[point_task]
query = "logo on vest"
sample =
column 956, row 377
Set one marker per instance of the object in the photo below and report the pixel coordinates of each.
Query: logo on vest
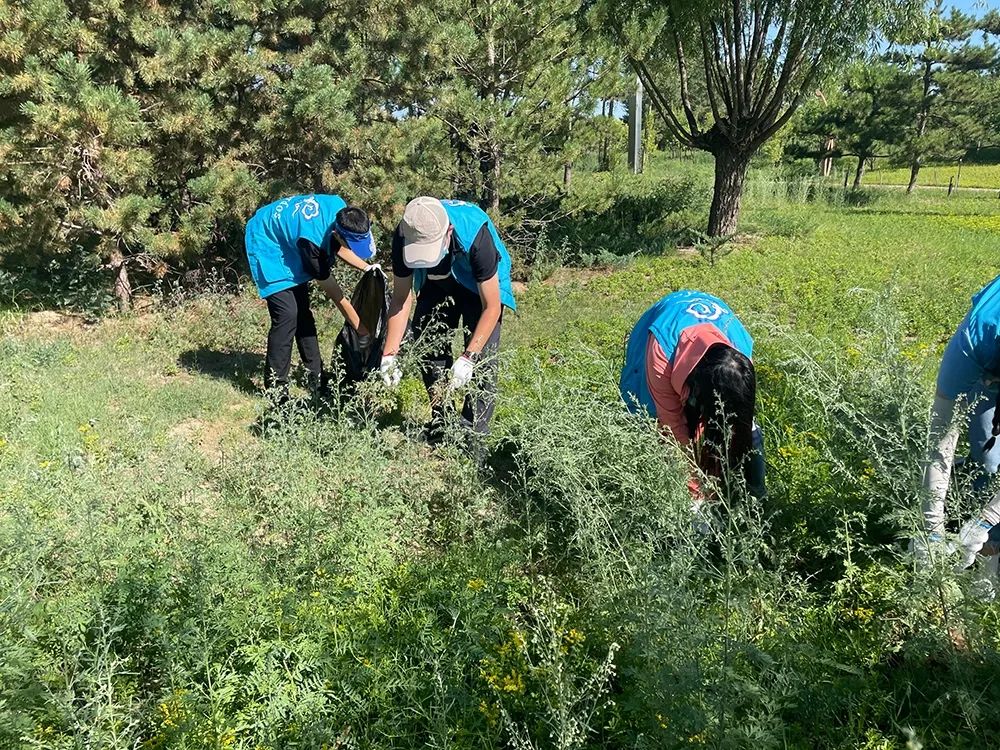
column 309, row 208
column 706, row 310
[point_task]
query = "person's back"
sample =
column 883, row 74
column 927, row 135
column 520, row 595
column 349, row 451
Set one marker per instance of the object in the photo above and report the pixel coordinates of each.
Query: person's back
column 289, row 243
column 274, row 232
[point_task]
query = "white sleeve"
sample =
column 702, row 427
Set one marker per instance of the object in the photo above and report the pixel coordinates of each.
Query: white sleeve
column 940, row 458
column 991, row 513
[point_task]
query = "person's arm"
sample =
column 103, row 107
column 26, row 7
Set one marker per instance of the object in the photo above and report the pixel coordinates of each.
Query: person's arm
column 489, row 293
column 484, row 258
column 399, row 314
column 669, row 408
column 940, row 458
column 960, row 373
column 332, row 290
column 347, row 255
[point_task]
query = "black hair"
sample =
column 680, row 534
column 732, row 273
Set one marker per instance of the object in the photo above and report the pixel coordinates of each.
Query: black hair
column 354, row 219
column 723, row 391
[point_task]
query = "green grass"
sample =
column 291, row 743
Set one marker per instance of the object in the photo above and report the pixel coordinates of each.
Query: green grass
column 973, row 176
column 171, row 579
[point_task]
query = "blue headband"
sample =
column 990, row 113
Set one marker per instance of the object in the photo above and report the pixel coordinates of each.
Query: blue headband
column 361, row 244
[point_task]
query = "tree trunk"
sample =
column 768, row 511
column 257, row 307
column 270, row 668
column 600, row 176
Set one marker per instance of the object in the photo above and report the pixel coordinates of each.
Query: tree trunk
column 567, row 175
column 494, row 195
column 914, row 171
column 603, row 151
column 859, row 173
column 489, row 165
column 826, row 162
column 922, row 117
column 123, row 285
column 730, row 173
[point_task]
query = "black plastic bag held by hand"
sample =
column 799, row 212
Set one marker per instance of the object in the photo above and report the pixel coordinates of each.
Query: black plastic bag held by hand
column 362, row 354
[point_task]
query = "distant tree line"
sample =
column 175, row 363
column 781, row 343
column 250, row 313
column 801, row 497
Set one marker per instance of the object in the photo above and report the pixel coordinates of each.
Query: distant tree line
column 147, row 132
column 932, row 94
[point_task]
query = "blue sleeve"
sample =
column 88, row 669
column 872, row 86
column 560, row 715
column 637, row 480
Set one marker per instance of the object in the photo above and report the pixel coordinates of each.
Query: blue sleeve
column 960, row 369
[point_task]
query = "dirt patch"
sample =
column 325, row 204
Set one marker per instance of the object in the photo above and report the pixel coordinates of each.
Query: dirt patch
column 52, row 323
column 206, row 436
column 565, row 275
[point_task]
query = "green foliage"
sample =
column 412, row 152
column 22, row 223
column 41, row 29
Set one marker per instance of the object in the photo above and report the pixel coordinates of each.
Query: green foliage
column 172, row 579
column 147, row 135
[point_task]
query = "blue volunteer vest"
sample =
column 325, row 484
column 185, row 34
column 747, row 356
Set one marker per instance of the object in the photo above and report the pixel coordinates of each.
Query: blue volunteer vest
column 666, row 320
column 983, row 322
column 971, row 360
column 273, row 233
column 468, row 219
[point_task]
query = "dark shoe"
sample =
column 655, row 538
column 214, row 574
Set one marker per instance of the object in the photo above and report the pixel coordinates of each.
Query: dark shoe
column 433, row 432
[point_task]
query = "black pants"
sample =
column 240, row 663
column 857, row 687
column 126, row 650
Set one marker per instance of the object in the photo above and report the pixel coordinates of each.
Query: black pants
column 291, row 318
column 436, row 306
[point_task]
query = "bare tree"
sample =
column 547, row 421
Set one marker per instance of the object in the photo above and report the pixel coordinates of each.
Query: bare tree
column 727, row 75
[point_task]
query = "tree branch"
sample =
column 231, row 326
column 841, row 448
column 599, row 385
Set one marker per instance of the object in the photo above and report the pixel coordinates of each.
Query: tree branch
column 685, row 93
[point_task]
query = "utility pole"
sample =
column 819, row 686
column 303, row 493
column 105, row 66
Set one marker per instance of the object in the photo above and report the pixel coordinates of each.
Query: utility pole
column 635, row 129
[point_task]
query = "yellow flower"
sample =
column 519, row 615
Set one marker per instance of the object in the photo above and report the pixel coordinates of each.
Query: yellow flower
column 476, row 584
column 512, row 683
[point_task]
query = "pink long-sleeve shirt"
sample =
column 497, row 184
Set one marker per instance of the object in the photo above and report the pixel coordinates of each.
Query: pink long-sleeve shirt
column 668, row 381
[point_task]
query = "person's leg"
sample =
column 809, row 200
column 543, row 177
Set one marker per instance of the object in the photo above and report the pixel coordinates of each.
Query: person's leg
column 755, row 466
column 306, row 337
column 283, row 309
column 480, row 401
column 435, row 316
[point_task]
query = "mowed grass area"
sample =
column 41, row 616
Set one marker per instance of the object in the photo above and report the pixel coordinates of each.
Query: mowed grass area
column 986, row 176
column 169, row 578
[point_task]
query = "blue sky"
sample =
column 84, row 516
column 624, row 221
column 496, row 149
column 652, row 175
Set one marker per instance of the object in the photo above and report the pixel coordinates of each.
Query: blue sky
column 977, row 7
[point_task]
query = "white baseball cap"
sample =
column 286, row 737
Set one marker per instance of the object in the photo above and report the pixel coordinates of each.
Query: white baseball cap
column 424, row 226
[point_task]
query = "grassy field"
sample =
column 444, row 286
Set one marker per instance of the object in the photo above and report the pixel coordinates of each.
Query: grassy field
column 170, row 578
column 986, row 176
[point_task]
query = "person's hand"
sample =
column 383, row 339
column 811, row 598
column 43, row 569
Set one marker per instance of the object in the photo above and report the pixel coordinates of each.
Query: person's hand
column 461, row 373
column 373, row 266
column 973, row 536
column 701, row 519
column 928, row 547
column 390, row 371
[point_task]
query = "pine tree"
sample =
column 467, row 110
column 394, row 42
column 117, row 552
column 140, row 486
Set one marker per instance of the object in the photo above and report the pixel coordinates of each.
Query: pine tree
column 947, row 67
column 147, row 132
column 518, row 76
column 865, row 114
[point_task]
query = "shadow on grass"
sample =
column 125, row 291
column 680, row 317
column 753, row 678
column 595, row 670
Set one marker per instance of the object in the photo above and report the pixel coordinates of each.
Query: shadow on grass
column 238, row 367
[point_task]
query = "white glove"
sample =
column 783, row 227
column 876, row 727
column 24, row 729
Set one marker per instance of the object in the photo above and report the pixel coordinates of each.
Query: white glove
column 701, row 520
column 390, row 371
column 461, row 372
column 925, row 548
column 974, row 534
column 373, row 266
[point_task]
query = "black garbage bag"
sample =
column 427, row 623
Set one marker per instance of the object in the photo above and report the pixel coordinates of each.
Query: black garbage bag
column 362, row 354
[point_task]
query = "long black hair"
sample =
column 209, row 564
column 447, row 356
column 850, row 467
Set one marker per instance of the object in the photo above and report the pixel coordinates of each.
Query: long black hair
column 723, row 391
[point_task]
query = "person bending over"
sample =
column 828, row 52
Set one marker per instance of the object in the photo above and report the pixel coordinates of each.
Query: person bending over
column 289, row 243
column 449, row 255
column 687, row 363
column 969, row 377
